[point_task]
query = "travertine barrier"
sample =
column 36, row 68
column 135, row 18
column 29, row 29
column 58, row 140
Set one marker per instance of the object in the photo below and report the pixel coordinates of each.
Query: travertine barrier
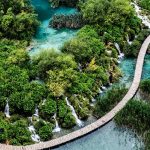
column 100, row 122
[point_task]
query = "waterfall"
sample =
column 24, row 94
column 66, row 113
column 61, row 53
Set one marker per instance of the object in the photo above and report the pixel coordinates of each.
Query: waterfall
column 145, row 19
column 128, row 40
column 57, row 128
column 93, row 100
column 78, row 121
column 43, row 103
column 100, row 91
column 6, row 111
column 103, row 87
column 121, row 55
column 80, row 67
column 35, row 137
column 36, row 112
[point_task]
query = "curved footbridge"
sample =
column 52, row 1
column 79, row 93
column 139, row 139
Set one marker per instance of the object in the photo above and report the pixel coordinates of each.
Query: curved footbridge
column 100, row 122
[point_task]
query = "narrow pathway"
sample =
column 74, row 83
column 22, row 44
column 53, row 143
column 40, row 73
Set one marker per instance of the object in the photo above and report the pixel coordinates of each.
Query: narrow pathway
column 100, row 122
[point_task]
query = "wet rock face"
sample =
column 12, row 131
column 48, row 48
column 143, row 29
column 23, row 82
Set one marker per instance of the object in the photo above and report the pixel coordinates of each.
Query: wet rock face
column 74, row 21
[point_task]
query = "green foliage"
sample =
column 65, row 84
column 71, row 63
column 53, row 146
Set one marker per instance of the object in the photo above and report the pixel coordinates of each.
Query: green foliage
column 51, row 60
column 144, row 4
column 114, row 17
column 136, row 115
column 3, row 130
column 81, row 105
column 45, row 132
column 65, row 116
column 17, row 20
column 19, row 134
column 107, row 102
column 69, row 121
column 145, row 85
column 133, row 49
column 59, row 81
column 48, row 109
column 15, row 133
column 84, row 47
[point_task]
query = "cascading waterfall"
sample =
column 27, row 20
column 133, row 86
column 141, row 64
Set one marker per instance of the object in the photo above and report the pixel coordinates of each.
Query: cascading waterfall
column 145, row 19
column 57, row 128
column 6, row 111
column 103, row 87
column 128, row 40
column 35, row 137
column 80, row 67
column 78, row 121
column 121, row 55
column 93, row 100
column 36, row 112
column 43, row 103
column 100, row 91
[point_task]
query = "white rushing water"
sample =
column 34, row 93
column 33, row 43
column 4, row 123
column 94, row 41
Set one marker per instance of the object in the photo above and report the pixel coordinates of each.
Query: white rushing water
column 80, row 67
column 121, row 55
column 57, row 128
column 93, row 100
column 43, row 103
column 144, row 18
column 36, row 112
column 128, row 40
column 78, row 121
column 6, row 111
column 35, row 137
column 103, row 88
column 100, row 91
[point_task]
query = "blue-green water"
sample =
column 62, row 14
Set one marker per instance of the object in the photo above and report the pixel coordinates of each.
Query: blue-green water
column 128, row 67
column 108, row 137
column 46, row 37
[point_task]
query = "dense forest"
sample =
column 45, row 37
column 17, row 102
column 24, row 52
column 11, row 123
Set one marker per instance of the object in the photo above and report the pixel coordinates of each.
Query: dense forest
column 87, row 63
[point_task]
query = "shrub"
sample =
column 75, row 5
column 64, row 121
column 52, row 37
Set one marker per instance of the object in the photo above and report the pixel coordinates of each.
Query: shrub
column 45, row 132
column 109, row 100
column 48, row 109
column 145, row 85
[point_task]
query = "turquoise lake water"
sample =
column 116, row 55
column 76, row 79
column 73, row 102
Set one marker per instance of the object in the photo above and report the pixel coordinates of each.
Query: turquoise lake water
column 108, row 137
column 46, row 37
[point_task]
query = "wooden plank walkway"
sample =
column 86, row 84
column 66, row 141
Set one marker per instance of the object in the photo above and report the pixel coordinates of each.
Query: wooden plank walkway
column 100, row 122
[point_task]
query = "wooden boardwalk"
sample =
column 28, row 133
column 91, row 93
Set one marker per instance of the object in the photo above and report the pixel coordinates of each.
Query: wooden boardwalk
column 100, row 122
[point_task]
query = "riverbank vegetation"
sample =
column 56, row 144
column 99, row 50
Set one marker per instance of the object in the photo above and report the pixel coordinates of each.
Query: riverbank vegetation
column 132, row 50
column 144, row 4
column 145, row 85
column 108, row 101
column 136, row 115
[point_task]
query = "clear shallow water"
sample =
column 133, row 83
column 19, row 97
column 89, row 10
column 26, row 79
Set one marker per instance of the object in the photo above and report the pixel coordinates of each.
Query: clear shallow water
column 47, row 37
column 108, row 137
column 128, row 67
